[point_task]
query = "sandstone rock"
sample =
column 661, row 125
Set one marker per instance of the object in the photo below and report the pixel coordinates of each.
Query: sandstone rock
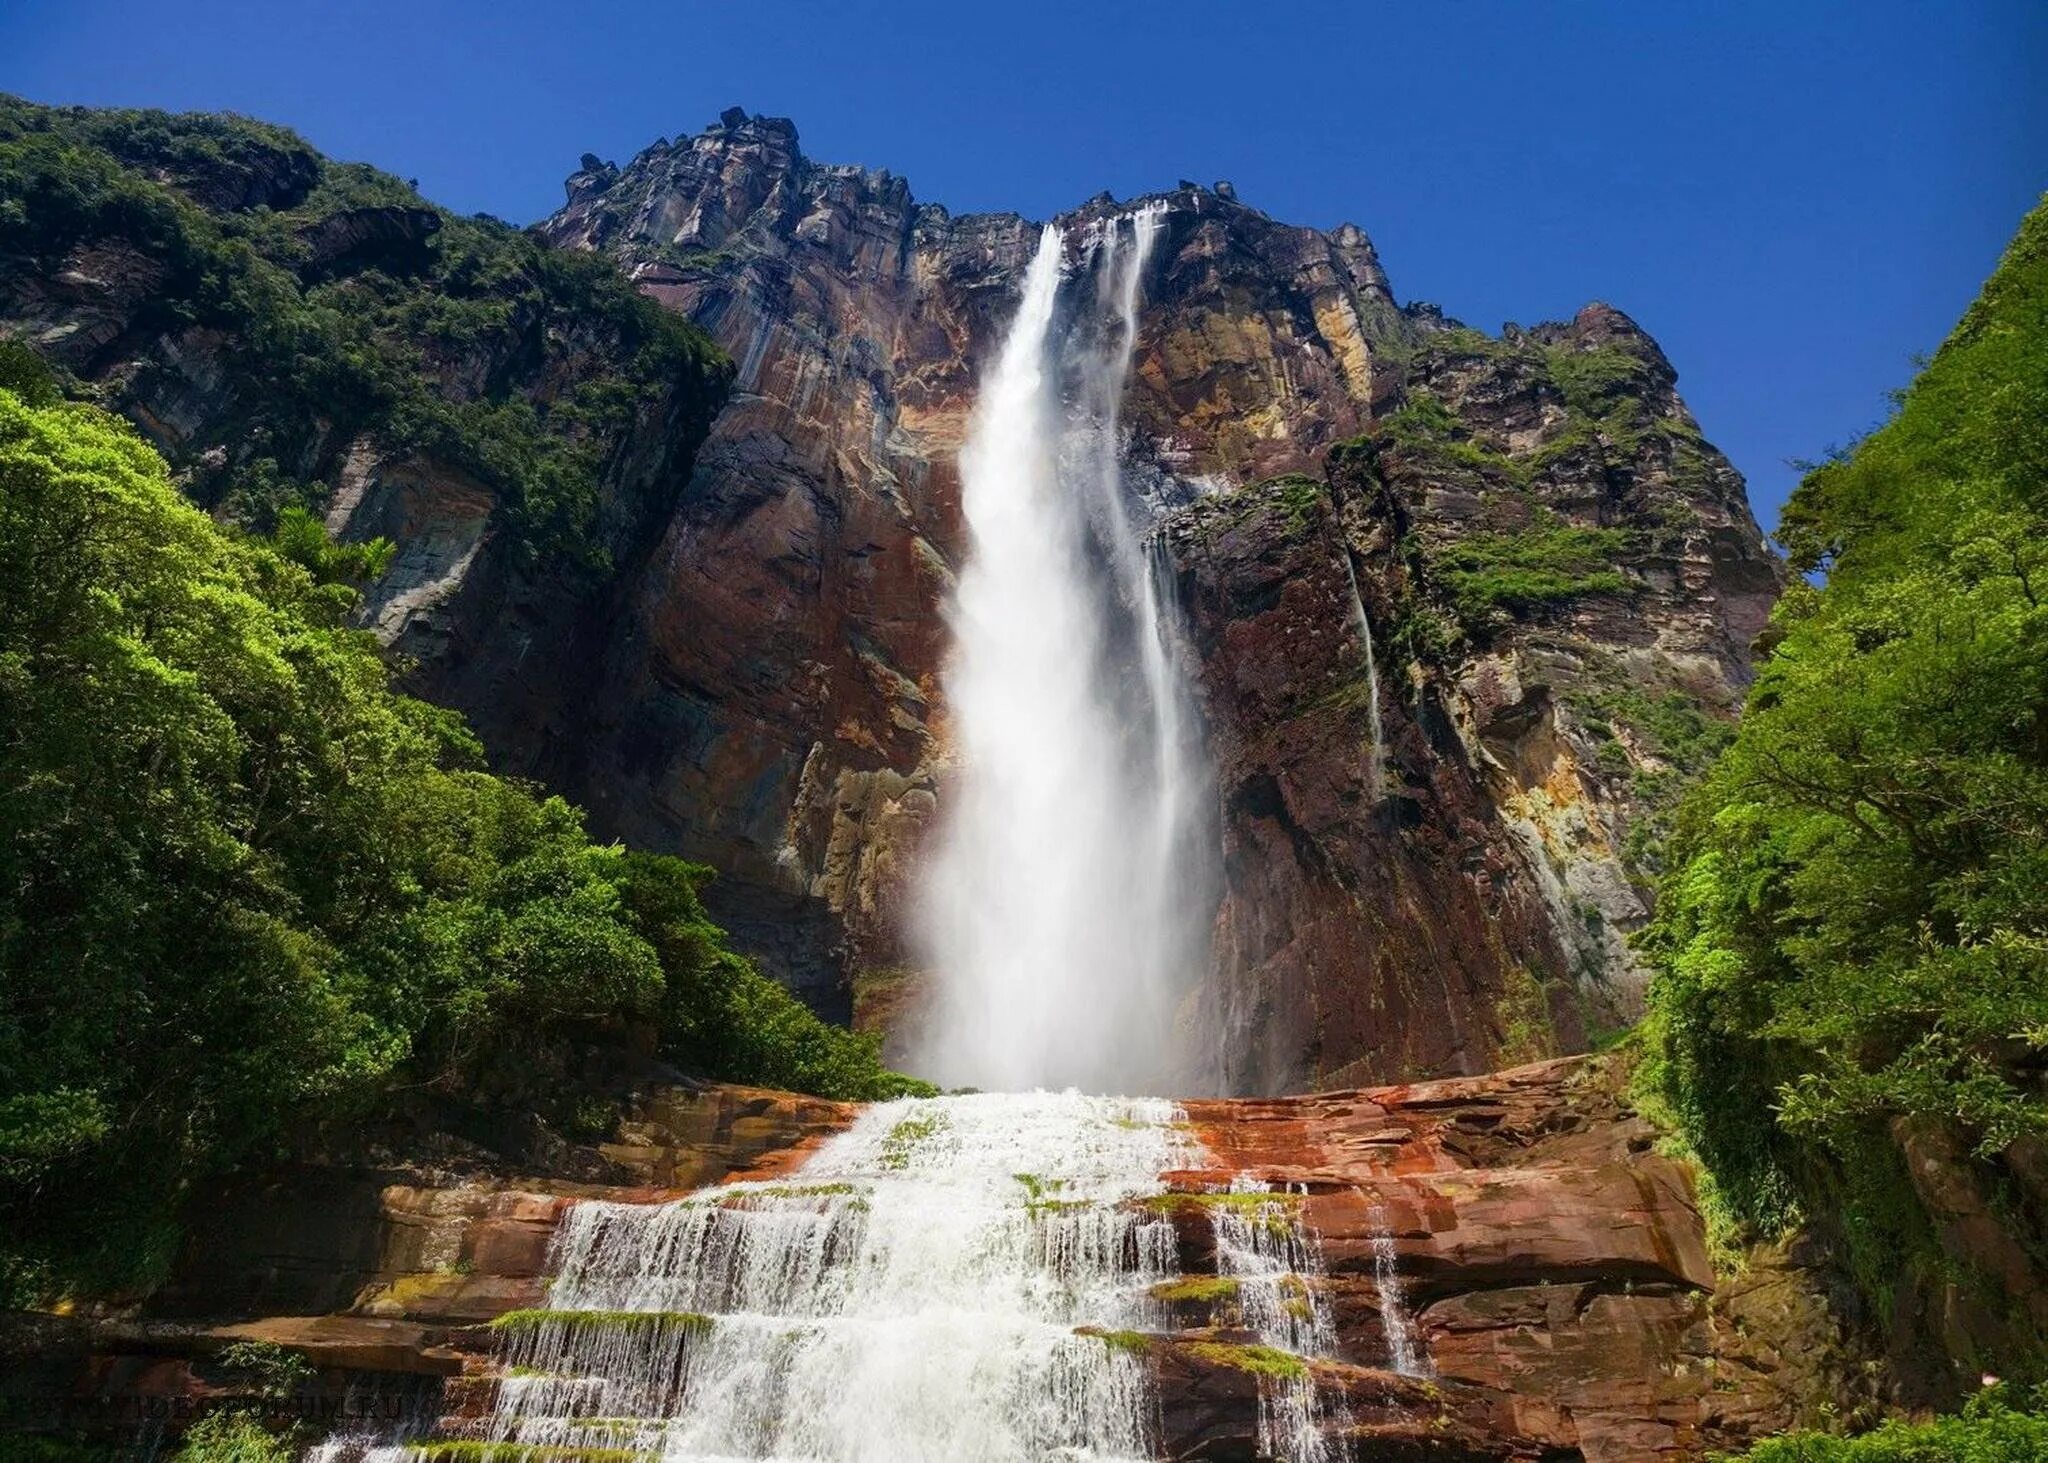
column 775, row 666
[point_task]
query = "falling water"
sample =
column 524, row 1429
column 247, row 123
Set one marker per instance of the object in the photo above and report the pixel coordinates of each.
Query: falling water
column 1062, row 907
column 1272, row 1254
column 917, row 1292
column 1376, row 769
column 1404, row 1355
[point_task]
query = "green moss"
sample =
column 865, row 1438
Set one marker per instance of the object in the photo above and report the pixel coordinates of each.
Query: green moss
column 1131, row 1343
column 1261, row 1361
column 1490, row 577
column 1201, row 1289
column 1300, row 499
column 1251, row 1203
column 527, row 1322
column 798, row 1191
column 1523, row 1011
column 910, row 1134
column 475, row 1452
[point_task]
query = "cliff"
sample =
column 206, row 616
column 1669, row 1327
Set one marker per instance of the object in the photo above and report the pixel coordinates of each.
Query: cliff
column 1566, row 573
column 293, row 331
column 1549, row 1269
column 714, row 618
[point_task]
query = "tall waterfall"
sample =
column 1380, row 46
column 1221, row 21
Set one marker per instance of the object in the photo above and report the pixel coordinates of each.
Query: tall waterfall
column 1063, row 907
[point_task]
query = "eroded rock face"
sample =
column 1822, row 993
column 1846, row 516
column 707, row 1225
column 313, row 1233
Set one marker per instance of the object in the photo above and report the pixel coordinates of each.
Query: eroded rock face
column 496, row 625
column 1553, row 1267
column 769, row 698
column 755, row 680
column 1550, row 1268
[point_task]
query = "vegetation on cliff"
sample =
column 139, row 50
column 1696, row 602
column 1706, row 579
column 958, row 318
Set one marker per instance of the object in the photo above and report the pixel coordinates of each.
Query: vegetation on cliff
column 338, row 302
column 1989, row 1429
column 245, row 886
column 1852, row 940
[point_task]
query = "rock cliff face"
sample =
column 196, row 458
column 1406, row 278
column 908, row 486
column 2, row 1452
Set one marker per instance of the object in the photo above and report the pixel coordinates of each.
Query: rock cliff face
column 768, row 695
column 292, row 331
column 1547, row 1268
column 732, row 649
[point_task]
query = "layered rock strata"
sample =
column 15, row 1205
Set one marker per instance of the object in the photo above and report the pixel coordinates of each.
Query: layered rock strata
column 1546, row 1268
column 770, row 699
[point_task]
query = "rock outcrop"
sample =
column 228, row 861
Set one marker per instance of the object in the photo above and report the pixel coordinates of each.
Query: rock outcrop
column 292, row 331
column 769, row 700
column 1547, row 1266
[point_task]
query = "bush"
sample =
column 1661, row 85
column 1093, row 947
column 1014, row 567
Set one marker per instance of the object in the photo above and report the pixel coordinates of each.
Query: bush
column 233, row 1436
column 1489, row 576
column 1988, row 1430
column 318, row 359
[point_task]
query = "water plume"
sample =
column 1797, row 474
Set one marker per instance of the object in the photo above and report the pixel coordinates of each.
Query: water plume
column 1064, row 908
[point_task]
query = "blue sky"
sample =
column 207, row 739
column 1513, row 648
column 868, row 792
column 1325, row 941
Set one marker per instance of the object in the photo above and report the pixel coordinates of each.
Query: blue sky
column 1794, row 198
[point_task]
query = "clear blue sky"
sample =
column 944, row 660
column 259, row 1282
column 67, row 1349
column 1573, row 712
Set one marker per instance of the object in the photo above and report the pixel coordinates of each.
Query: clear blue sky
column 1793, row 197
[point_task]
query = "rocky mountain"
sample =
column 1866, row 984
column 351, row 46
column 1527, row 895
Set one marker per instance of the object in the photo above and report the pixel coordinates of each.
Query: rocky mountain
column 1565, row 575
column 1463, row 611
column 288, row 330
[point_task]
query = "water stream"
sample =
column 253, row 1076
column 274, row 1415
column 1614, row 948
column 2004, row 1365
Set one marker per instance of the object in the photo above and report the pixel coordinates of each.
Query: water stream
column 1063, row 908
column 1377, row 751
column 966, row 1277
column 921, row 1291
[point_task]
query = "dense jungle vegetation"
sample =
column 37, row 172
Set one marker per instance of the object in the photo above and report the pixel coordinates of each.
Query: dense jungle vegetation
column 1850, row 1012
column 245, row 886
column 341, row 302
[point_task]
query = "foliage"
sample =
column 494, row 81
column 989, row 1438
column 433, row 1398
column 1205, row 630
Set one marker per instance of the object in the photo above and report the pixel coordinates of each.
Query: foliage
column 1489, row 576
column 1670, row 727
column 245, row 886
column 233, row 1436
column 392, row 338
column 1855, row 922
column 275, row 1371
column 1989, row 1429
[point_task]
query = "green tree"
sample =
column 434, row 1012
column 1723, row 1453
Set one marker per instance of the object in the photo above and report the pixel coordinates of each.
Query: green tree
column 1853, row 939
column 243, row 884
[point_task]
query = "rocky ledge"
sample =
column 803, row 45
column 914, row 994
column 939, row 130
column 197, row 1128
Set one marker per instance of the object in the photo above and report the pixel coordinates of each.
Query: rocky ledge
column 1546, row 1266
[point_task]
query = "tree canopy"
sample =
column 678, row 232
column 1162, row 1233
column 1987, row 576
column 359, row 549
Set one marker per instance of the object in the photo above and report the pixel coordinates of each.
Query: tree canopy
column 1852, row 943
column 244, row 884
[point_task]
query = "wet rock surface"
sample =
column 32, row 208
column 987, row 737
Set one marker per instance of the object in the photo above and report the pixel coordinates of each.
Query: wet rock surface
column 1549, row 1269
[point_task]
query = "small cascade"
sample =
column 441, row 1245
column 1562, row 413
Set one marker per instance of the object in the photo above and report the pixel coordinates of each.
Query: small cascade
column 1404, row 1351
column 918, row 1292
column 1377, row 778
column 1263, row 1244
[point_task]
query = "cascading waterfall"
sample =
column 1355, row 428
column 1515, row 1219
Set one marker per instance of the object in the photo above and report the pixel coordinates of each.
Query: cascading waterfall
column 961, row 1277
column 1363, row 624
column 916, row 1293
column 1263, row 1245
column 1404, row 1353
column 1063, row 908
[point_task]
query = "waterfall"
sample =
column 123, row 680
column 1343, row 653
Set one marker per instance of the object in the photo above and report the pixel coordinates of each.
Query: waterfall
column 1376, row 781
column 1264, row 1245
column 1063, row 908
column 1404, row 1355
column 919, row 1291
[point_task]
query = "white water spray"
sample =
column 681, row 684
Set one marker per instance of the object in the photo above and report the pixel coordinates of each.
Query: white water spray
column 913, row 1296
column 1404, row 1354
column 1376, row 772
column 1063, row 907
